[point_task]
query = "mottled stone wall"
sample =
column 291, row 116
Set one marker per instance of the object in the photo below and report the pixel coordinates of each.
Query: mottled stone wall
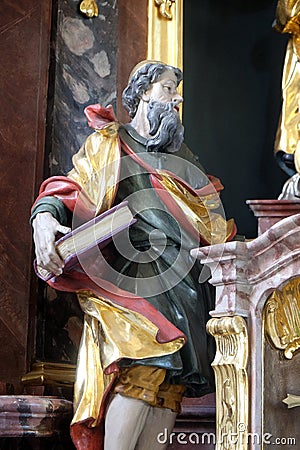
column 83, row 71
column 132, row 44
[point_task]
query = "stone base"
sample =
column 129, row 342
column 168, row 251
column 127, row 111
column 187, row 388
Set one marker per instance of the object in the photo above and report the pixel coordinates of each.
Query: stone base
column 28, row 415
column 268, row 212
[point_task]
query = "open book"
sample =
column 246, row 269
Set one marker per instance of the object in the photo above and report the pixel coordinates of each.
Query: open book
column 96, row 232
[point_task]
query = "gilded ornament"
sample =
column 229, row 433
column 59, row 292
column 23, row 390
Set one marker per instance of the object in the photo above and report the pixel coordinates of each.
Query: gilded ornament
column 165, row 8
column 165, row 32
column 89, row 8
column 50, row 374
column 282, row 318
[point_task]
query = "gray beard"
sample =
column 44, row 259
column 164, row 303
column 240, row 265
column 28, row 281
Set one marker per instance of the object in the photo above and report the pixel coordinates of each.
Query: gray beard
column 166, row 129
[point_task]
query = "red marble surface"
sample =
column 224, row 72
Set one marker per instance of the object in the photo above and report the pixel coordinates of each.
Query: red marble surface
column 132, row 28
column 25, row 28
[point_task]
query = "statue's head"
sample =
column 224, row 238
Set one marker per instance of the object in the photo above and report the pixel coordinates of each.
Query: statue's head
column 152, row 94
column 143, row 75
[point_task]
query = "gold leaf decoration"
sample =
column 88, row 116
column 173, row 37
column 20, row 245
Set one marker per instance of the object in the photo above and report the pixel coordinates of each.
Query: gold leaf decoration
column 89, row 8
column 165, row 8
column 282, row 318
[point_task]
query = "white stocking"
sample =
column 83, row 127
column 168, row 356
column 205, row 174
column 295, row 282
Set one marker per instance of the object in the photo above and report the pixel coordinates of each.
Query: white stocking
column 124, row 421
column 157, row 429
column 131, row 424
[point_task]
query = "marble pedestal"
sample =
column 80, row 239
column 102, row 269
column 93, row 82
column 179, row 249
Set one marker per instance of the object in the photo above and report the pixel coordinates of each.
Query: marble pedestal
column 269, row 212
column 34, row 422
column 245, row 275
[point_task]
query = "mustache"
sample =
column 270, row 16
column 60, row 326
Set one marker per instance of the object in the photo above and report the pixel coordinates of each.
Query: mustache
column 166, row 129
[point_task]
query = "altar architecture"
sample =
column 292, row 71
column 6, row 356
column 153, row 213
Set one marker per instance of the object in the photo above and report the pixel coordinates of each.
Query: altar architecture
column 256, row 325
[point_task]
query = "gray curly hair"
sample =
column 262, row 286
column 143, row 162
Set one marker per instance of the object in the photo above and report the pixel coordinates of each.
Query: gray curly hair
column 141, row 80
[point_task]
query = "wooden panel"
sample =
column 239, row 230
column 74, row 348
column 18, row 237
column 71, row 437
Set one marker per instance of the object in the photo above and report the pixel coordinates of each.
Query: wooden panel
column 280, row 378
column 24, row 29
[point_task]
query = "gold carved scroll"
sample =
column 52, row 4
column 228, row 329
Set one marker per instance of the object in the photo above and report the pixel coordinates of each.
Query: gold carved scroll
column 232, row 395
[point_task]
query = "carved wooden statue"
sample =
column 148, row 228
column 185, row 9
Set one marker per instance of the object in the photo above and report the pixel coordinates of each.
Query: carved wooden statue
column 144, row 342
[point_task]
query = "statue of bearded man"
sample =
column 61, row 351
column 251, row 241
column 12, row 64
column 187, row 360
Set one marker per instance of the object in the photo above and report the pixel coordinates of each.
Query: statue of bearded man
column 144, row 342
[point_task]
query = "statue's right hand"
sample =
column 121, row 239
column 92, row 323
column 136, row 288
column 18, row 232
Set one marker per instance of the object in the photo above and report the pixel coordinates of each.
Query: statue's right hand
column 45, row 229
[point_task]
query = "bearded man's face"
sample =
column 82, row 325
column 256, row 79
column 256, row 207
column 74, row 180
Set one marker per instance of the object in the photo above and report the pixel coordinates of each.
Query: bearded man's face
column 166, row 129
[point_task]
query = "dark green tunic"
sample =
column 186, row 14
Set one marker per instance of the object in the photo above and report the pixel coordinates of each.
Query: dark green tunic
column 162, row 265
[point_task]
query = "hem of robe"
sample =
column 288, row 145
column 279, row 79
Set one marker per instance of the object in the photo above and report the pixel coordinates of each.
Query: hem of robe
column 78, row 281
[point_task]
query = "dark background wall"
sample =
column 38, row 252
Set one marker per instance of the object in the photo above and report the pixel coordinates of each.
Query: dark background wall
column 233, row 62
